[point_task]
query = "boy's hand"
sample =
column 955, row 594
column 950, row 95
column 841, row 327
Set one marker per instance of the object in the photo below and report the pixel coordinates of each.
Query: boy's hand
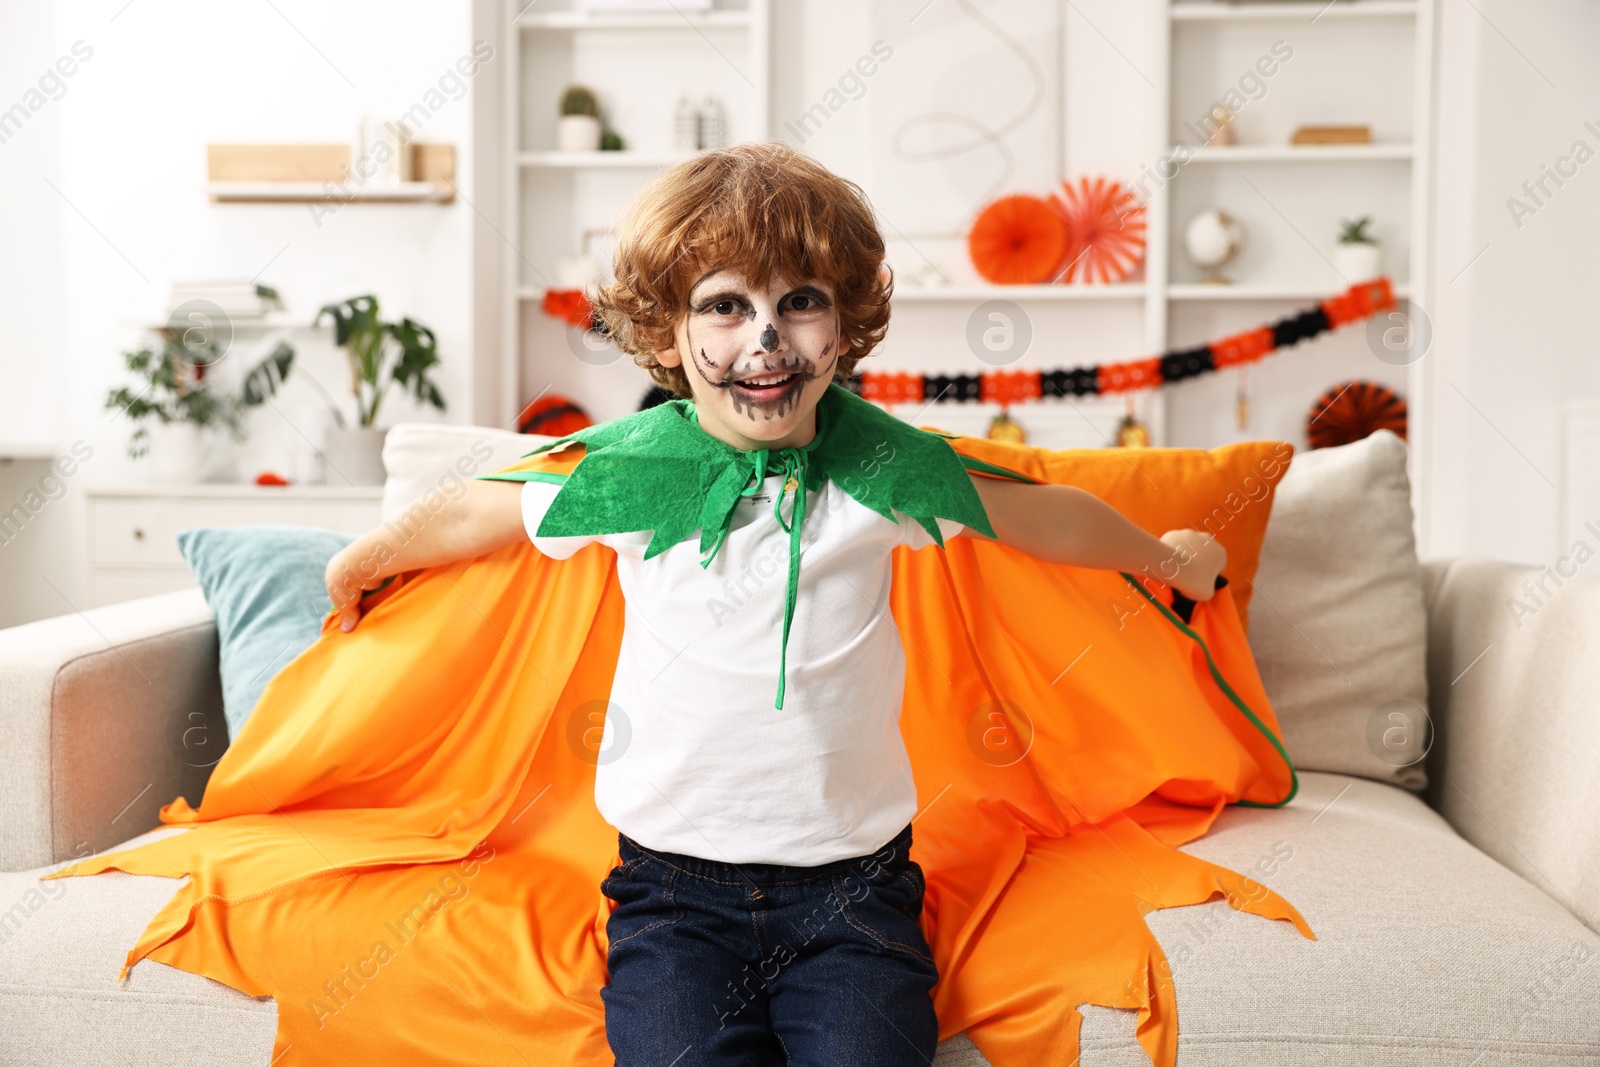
column 485, row 516
column 346, row 582
column 1198, row 557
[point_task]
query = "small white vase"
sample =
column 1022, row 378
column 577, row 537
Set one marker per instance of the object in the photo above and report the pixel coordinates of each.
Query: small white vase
column 354, row 455
column 1361, row 261
column 578, row 133
column 176, row 454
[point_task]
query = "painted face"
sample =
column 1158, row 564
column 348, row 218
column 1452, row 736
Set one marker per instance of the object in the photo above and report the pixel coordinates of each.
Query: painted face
column 758, row 361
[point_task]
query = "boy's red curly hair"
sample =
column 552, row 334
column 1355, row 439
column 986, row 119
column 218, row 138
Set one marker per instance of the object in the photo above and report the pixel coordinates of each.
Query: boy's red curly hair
column 762, row 209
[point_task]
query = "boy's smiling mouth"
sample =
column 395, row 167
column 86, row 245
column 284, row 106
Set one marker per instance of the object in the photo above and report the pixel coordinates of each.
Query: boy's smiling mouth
column 766, row 388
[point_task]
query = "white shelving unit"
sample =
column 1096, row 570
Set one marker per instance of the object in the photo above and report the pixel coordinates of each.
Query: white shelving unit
column 1192, row 53
column 1051, row 293
column 1337, row 10
column 1369, row 61
column 635, row 62
column 1320, row 153
column 1247, row 293
column 603, row 160
column 1365, row 61
column 634, row 20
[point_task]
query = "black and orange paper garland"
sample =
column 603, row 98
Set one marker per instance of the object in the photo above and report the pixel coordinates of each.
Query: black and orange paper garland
column 1359, row 302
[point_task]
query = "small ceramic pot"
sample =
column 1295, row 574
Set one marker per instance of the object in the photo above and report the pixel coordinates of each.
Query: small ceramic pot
column 176, row 454
column 1359, row 262
column 578, row 133
column 353, row 455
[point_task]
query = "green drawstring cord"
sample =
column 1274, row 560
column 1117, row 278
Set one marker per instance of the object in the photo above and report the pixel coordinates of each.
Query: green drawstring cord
column 796, row 470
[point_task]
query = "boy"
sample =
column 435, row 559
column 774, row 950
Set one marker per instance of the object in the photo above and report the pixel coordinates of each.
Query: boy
column 766, row 905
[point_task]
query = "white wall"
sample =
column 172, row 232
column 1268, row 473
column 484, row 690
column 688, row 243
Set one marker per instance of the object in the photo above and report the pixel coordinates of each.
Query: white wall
column 126, row 148
column 1516, row 312
column 34, row 352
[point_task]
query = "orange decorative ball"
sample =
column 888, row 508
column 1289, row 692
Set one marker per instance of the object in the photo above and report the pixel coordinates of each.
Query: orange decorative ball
column 554, row 416
column 1017, row 240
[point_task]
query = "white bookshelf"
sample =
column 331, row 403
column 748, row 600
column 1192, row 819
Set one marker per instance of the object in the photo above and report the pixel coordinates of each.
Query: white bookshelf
column 638, row 63
column 633, row 20
column 1370, row 61
column 1257, row 293
column 602, row 160
column 1309, row 11
column 1367, row 61
column 1322, row 153
column 1050, row 293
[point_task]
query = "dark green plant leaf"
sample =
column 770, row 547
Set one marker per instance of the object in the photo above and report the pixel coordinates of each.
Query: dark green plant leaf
column 266, row 377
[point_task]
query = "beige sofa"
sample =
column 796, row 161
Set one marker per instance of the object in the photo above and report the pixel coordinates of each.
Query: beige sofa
column 1452, row 877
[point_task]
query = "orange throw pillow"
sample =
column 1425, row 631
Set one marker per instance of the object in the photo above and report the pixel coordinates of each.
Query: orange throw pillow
column 1226, row 491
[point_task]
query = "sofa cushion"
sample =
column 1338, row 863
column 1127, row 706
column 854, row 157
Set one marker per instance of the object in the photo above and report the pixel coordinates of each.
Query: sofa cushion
column 61, row 946
column 1339, row 631
column 428, row 463
column 265, row 586
column 1227, row 491
column 1428, row 953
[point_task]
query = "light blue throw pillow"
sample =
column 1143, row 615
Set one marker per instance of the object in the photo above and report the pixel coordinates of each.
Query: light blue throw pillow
column 264, row 585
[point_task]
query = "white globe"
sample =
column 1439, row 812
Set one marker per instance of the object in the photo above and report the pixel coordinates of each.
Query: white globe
column 1212, row 238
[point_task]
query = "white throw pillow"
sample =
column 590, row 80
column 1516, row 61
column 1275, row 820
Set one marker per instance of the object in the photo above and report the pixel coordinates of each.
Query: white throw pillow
column 435, row 461
column 1337, row 622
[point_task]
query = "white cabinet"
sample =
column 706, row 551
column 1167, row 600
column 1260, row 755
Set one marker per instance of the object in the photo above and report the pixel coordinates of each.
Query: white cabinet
column 133, row 548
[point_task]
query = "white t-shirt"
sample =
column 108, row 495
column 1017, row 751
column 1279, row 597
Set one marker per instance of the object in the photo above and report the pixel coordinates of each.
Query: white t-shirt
column 693, row 757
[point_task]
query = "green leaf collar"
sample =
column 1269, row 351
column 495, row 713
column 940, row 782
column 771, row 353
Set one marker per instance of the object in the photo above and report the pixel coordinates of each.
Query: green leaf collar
column 658, row 470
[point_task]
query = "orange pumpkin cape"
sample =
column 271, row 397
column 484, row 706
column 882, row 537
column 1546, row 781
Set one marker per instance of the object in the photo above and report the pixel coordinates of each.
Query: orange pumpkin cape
column 402, row 847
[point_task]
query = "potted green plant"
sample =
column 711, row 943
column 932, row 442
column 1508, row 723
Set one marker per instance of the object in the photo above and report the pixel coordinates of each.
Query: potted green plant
column 178, row 400
column 381, row 354
column 578, row 129
column 1359, row 257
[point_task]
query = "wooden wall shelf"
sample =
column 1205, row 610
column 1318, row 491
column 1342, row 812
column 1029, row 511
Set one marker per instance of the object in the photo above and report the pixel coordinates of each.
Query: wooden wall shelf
column 321, row 173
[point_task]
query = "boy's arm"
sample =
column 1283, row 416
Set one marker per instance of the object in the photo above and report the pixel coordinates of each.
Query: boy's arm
column 1063, row 524
column 486, row 517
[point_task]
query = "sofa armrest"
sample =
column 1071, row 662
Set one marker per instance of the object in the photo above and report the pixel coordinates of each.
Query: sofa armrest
column 105, row 716
column 1512, row 672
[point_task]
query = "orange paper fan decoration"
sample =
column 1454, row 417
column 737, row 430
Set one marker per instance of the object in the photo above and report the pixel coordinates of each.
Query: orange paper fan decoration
column 1017, row 240
column 1353, row 410
column 1105, row 230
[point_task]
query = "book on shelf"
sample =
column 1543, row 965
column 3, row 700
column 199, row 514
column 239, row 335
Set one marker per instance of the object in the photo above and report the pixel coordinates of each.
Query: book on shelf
column 236, row 299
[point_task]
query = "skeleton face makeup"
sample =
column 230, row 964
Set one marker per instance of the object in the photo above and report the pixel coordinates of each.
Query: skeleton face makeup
column 757, row 360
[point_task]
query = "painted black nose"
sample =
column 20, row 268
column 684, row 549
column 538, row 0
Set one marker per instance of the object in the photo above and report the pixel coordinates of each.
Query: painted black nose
column 769, row 338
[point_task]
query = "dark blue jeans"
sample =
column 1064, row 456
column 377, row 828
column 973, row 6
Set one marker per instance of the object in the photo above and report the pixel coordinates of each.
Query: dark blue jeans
column 760, row 964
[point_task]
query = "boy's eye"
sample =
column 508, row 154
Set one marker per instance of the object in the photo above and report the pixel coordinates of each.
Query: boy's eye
column 806, row 300
column 725, row 307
